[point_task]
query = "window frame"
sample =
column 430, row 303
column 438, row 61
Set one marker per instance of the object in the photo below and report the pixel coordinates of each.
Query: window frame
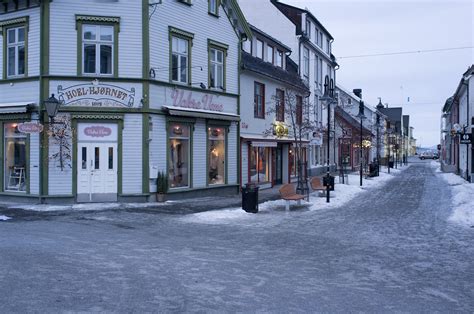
column 214, row 45
column 256, row 114
column 279, row 53
column 308, row 28
column 217, row 4
column 190, row 126
column 5, row 26
column 306, row 57
column 272, row 60
column 280, row 105
column 98, row 43
column 27, row 154
column 183, row 35
column 261, row 56
column 85, row 20
column 225, row 126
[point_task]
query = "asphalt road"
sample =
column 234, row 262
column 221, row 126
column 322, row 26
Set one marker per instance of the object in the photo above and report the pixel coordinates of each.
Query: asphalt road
column 389, row 250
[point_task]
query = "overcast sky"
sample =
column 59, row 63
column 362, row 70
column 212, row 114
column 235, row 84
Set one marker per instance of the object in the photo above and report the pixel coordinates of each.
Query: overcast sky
column 361, row 27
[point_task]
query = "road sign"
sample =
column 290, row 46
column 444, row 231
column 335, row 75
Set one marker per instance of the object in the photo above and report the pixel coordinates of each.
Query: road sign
column 466, row 138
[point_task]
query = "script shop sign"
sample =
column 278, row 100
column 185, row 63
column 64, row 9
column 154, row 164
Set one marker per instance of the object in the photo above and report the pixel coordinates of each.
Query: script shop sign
column 30, row 127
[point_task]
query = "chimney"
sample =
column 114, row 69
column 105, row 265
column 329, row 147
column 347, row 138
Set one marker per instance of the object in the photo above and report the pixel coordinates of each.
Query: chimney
column 386, row 105
column 358, row 92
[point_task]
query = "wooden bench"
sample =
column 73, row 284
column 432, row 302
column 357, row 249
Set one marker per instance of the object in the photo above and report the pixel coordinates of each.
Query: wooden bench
column 317, row 184
column 288, row 193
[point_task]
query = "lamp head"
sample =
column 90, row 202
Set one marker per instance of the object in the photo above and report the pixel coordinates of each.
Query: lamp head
column 52, row 106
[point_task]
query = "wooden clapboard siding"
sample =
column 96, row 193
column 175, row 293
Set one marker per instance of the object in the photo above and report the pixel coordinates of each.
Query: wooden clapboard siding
column 132, row 154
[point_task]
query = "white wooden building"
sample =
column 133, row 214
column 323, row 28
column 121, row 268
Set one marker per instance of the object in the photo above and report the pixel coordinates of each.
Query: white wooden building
column 145, row 86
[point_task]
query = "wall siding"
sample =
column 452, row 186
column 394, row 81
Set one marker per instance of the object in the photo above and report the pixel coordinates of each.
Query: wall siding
column 158, row 144
column 245, row 162
column 179, row 15
column 63, row 30
column 199, row 154
column 232, row 153
column 34, row 163
column 132, row 154
column 20, row 92
column 59, row 181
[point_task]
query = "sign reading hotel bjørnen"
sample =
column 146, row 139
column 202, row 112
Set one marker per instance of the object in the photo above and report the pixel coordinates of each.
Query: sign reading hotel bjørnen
column 96, row 94
column 97, row 132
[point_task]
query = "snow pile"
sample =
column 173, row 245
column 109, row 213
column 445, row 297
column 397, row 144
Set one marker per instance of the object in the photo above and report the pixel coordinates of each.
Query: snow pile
column 273, row 212
column 3, row 218
column 85, row 207
column 462, row 196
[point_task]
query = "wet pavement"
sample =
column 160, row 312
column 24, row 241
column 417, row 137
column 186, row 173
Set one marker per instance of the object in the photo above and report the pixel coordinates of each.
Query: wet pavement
column 391, row 249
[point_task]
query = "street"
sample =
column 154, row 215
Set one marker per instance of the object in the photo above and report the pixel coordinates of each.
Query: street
column 391, row 249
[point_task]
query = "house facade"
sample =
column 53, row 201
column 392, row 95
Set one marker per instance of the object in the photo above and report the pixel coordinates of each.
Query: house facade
column 141, row 90
column 273, row 88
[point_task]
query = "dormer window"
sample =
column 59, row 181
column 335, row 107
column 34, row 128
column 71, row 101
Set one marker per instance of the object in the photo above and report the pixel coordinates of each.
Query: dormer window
column 279, row 58
column 270, row 54
column 259, row 52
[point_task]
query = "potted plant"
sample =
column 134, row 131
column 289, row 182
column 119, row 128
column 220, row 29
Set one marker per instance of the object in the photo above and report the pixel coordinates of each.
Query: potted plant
column 161, row 186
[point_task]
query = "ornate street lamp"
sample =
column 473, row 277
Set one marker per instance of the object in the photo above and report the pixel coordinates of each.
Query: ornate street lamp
column 389, row 138
column 328, row 98
column 361, row 116
column 377, row 124
column 52, row 106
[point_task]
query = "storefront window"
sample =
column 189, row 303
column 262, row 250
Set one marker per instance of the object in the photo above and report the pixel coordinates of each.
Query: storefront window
column 179, row 155
column 15, row 158
column 216, row 155
column 259, row 164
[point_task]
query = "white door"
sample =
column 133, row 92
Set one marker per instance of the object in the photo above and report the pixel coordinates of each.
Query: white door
column 97, row 172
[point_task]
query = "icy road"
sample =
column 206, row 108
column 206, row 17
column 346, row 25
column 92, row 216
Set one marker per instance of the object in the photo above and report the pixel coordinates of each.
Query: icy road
column 391, row 249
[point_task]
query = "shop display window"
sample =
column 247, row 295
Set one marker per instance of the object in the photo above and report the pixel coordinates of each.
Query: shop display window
column 15, row 158
column 216, row 155
column 259, row 164
column 179, row 155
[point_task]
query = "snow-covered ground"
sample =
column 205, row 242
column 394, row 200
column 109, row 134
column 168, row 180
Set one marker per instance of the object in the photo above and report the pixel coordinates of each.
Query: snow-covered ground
column 463, row 196
column 3, row 218
column 343, row 193
column 83, row 207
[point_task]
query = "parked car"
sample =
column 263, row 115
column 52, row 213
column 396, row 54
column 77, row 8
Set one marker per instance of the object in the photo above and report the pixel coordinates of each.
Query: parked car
column 429, row 155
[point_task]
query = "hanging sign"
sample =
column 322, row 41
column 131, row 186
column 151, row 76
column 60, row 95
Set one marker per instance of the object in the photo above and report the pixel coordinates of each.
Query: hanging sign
column 30, row 127
column 466, row 138
column 96, row 94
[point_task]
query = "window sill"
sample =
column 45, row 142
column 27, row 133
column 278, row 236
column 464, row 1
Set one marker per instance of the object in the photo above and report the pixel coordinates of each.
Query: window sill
column 213, row 14
column 261, row 118
column 189, row 3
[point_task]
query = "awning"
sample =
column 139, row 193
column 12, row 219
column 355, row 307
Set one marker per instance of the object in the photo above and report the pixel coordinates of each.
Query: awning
column 264, row 144
column 16, row 107
column 268, row 139
column 204, row 114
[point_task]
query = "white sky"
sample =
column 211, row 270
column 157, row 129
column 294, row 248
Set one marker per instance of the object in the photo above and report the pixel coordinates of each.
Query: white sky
column 362, row 27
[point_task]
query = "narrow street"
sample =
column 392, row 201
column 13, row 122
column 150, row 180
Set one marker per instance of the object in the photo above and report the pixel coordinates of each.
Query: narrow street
column 391, row 249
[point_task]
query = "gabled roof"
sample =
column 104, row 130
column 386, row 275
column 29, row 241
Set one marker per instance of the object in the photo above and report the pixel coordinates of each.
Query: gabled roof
column 292, row 12
column 448, row 104
column 261, row 67
column 393, row 114
column 270, row 38
column 236, row 17
column 350, row 120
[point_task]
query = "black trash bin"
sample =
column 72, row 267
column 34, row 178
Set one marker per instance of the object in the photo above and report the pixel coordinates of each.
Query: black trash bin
column 250, row 198
column 329, row 181
column 372, row 170
column 390, row 164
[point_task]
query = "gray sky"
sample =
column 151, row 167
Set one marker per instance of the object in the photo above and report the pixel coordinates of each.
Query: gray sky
column 361, row 27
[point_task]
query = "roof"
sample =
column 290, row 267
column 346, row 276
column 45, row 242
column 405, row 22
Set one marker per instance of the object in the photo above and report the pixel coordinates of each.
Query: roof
column 259, row 66
column 406, row 121
column 283, row 7
column 465, row 77
column 16, row 107
column 393, row 114
column 236, row 17
column 448, row 104
column 350, row 120
column 273, row 39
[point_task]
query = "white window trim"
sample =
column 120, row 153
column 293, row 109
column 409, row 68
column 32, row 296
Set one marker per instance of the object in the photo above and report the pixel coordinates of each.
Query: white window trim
column 215, row 65
column 98, row 43
column 179, row 54
column 17, row 44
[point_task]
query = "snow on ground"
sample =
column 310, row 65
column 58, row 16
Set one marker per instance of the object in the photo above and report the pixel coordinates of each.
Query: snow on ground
column 462, row 196
column 84, row 207
column 3, row 218
column 343, row 193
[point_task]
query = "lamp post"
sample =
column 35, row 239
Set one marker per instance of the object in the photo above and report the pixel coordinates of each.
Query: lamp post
column 361, row 116
column 389, row 138
column 377, row 125
column 52, row 106
column 328, row 98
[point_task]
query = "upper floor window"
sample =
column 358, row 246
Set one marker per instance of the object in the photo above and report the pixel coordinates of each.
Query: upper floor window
column 320, row 73
column 328, row 46
column 16, row 51
column 217, row 64
column 320, row 42
column 270, row 54
column 299, row 110
column 280, row 105
column 308, row 28
column 279, row 58
column 306, row 63
column 259, row 100
column 316, row 70
column 329, row 71
column 259, row 52
column 213, row 7
column 98, row 49
column 179, row 60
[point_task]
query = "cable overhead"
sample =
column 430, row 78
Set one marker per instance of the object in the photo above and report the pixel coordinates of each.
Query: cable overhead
column 405, row 52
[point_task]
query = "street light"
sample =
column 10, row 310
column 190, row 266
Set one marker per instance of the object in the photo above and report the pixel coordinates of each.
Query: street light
column 389, row 138
column 328, row 98
column 361, row 116
column 52, row 106
column 377, row 124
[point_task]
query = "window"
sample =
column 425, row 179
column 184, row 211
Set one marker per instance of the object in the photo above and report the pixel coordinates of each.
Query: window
column 316, row 36
column 299, row 110
column 247, row 46
column 329, row 72
column 213, row 7
column 216, row 155
column 15, row 158
column 270, row 54
column 328, row 46
column 259, row 167
column 316, row 107
column 179, row 60
column 259, row 100
column 97, row 49
column 279, row 60
column 306, row 63
column 320, row 73
column 16, row 51
column 179, row 155
column 259, row 52
column 320, row 43
column 308, row 28
column 280, row 105
column 216, row 70
column 316, row 73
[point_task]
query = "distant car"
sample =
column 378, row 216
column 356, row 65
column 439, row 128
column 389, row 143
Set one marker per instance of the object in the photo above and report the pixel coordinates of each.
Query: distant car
column 428, row 155
column 435, row 155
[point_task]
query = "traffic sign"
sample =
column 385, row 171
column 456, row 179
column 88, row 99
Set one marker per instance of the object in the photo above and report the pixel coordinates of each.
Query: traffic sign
column 466, row 138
